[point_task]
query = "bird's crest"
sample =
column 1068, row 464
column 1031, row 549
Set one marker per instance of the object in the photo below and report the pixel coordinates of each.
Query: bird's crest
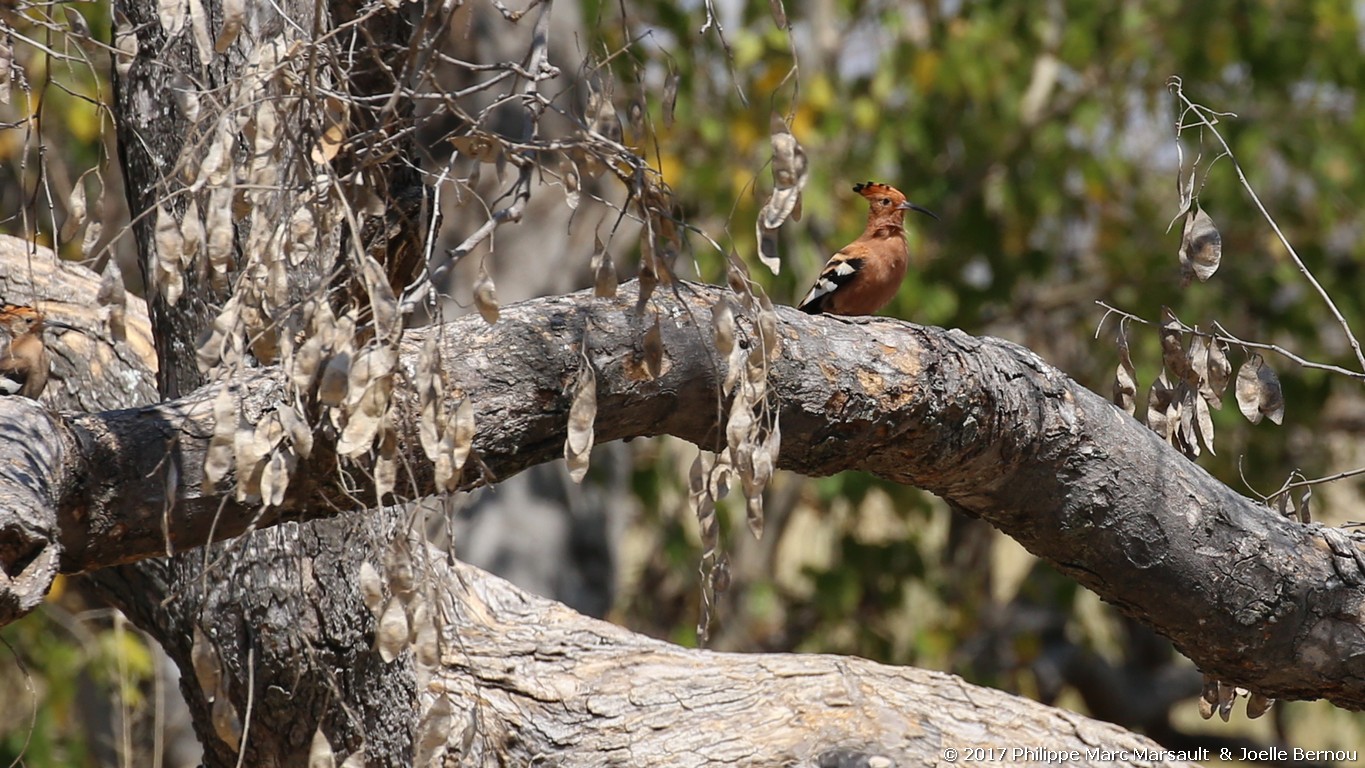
column 874, row 189
column 19, row 312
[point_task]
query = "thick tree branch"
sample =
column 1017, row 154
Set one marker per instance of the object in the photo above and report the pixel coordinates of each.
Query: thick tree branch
column 1253, row 598
column 528, row 681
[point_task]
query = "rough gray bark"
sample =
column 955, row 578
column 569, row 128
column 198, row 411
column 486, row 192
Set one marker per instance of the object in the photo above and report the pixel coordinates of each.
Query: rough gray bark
column 293, row 665
column 1253, row 598
column 90, row 370
column 525, row 681
column 150, row 152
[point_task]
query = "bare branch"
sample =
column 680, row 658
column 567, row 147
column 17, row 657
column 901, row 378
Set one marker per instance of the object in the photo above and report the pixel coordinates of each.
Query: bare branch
column 1207, row 118
column 1224, row 335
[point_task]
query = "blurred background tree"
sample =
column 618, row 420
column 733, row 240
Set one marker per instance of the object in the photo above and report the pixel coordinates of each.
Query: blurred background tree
column 1041, row 133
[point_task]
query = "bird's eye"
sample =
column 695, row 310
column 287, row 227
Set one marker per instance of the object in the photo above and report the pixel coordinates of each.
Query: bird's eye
column 886, row 201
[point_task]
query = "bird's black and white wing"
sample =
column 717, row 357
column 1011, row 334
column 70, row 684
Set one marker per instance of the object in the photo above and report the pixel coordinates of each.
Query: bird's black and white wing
column 837, row 273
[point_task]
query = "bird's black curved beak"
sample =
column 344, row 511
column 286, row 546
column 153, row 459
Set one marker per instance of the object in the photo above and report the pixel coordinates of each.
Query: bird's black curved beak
column 909, row 206
column 50, row 323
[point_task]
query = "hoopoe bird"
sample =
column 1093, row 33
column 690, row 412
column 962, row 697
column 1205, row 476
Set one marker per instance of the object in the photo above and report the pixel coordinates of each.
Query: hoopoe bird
column 864, row 276
column 24, row 360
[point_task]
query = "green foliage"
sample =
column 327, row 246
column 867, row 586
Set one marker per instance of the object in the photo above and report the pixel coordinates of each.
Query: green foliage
column 57, row 101
column 41, row 725
column 55, row 662
column 866, row 580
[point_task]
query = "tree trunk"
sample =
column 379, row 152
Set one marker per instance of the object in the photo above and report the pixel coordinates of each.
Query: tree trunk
column 290, row 665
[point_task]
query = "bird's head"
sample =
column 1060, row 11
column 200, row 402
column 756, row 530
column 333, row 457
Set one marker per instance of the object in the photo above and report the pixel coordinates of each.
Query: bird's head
column 887, row 202
column 20, row 319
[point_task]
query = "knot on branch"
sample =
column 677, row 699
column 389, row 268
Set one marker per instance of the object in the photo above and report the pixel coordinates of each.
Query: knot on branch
column 1347, row 558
